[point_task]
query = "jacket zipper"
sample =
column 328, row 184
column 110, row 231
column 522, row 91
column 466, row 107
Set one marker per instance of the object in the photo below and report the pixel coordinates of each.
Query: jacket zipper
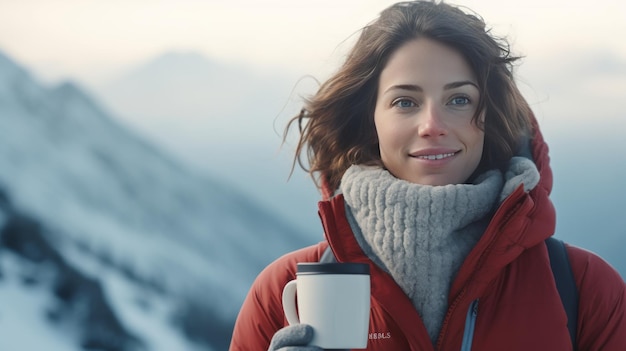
column 470, row 323
column 504, row 220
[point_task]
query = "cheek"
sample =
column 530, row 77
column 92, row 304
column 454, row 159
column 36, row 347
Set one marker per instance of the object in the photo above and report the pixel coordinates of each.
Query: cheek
column 389, row 137
column 479, row 137
column 473, row 134
column 478, row 144
column 389, row 128
column 381, row 131
column 384, row 134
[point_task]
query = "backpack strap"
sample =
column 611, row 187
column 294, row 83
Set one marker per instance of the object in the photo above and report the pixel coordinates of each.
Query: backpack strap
column 565, row 283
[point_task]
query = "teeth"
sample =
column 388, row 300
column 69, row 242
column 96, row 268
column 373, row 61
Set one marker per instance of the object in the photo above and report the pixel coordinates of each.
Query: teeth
column 436, row 157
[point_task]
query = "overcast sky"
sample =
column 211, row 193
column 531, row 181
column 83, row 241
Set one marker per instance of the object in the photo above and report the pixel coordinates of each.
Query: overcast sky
column 87, row 38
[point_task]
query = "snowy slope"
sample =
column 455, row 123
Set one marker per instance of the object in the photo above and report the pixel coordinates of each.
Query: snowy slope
column 112, row 204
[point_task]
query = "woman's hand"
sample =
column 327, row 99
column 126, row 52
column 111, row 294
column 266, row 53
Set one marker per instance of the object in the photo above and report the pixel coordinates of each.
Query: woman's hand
column 293, row 338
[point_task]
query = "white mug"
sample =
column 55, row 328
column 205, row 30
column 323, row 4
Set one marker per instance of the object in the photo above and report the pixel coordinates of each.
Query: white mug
column 334, row 298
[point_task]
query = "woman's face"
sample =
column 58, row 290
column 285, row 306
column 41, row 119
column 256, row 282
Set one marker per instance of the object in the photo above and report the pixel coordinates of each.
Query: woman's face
column 427, row 96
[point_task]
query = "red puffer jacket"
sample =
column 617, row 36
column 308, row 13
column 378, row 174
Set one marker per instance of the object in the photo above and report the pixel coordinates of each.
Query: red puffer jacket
column 508, row 271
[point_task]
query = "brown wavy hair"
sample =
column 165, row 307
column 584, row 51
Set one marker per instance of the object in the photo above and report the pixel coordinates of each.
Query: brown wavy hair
column 336, row 124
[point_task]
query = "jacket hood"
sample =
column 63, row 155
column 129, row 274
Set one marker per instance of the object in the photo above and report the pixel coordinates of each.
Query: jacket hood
column 539, row 153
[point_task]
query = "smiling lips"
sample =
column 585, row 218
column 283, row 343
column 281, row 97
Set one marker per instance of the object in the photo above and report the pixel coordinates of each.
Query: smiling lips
column 434, row 156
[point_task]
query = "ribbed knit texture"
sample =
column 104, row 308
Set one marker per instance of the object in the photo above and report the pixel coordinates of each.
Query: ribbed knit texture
column 421, row 234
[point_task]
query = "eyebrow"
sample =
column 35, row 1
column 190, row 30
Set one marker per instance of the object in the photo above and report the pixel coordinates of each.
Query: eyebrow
column 459, row 84
column 417, row 88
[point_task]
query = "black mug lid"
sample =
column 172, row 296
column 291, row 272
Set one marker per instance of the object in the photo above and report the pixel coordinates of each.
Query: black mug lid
column 333, row 268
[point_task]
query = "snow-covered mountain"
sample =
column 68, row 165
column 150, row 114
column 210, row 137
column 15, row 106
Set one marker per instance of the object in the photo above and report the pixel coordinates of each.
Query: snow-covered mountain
column 108, row 243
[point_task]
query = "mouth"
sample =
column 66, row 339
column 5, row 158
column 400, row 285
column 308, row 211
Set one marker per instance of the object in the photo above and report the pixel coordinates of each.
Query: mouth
column 436, row 156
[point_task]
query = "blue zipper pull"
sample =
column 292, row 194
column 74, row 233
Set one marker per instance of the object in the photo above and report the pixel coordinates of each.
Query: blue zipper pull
column 470, row 323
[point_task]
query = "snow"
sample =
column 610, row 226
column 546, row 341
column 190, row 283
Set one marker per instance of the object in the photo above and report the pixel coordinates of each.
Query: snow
column 145, row 313
column 24, row 317
column 23, row 325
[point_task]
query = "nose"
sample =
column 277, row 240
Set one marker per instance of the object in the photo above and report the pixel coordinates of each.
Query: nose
column 431, row 122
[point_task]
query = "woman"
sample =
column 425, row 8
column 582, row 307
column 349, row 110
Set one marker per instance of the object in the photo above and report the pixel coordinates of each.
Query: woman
column 433, row 171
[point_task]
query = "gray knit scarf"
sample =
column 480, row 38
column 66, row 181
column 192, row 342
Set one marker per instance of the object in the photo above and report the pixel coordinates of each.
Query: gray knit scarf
column 421, row 234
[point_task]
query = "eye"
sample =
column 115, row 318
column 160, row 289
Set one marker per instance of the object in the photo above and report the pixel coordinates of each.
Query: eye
column 403, row 103
column 460, row 101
